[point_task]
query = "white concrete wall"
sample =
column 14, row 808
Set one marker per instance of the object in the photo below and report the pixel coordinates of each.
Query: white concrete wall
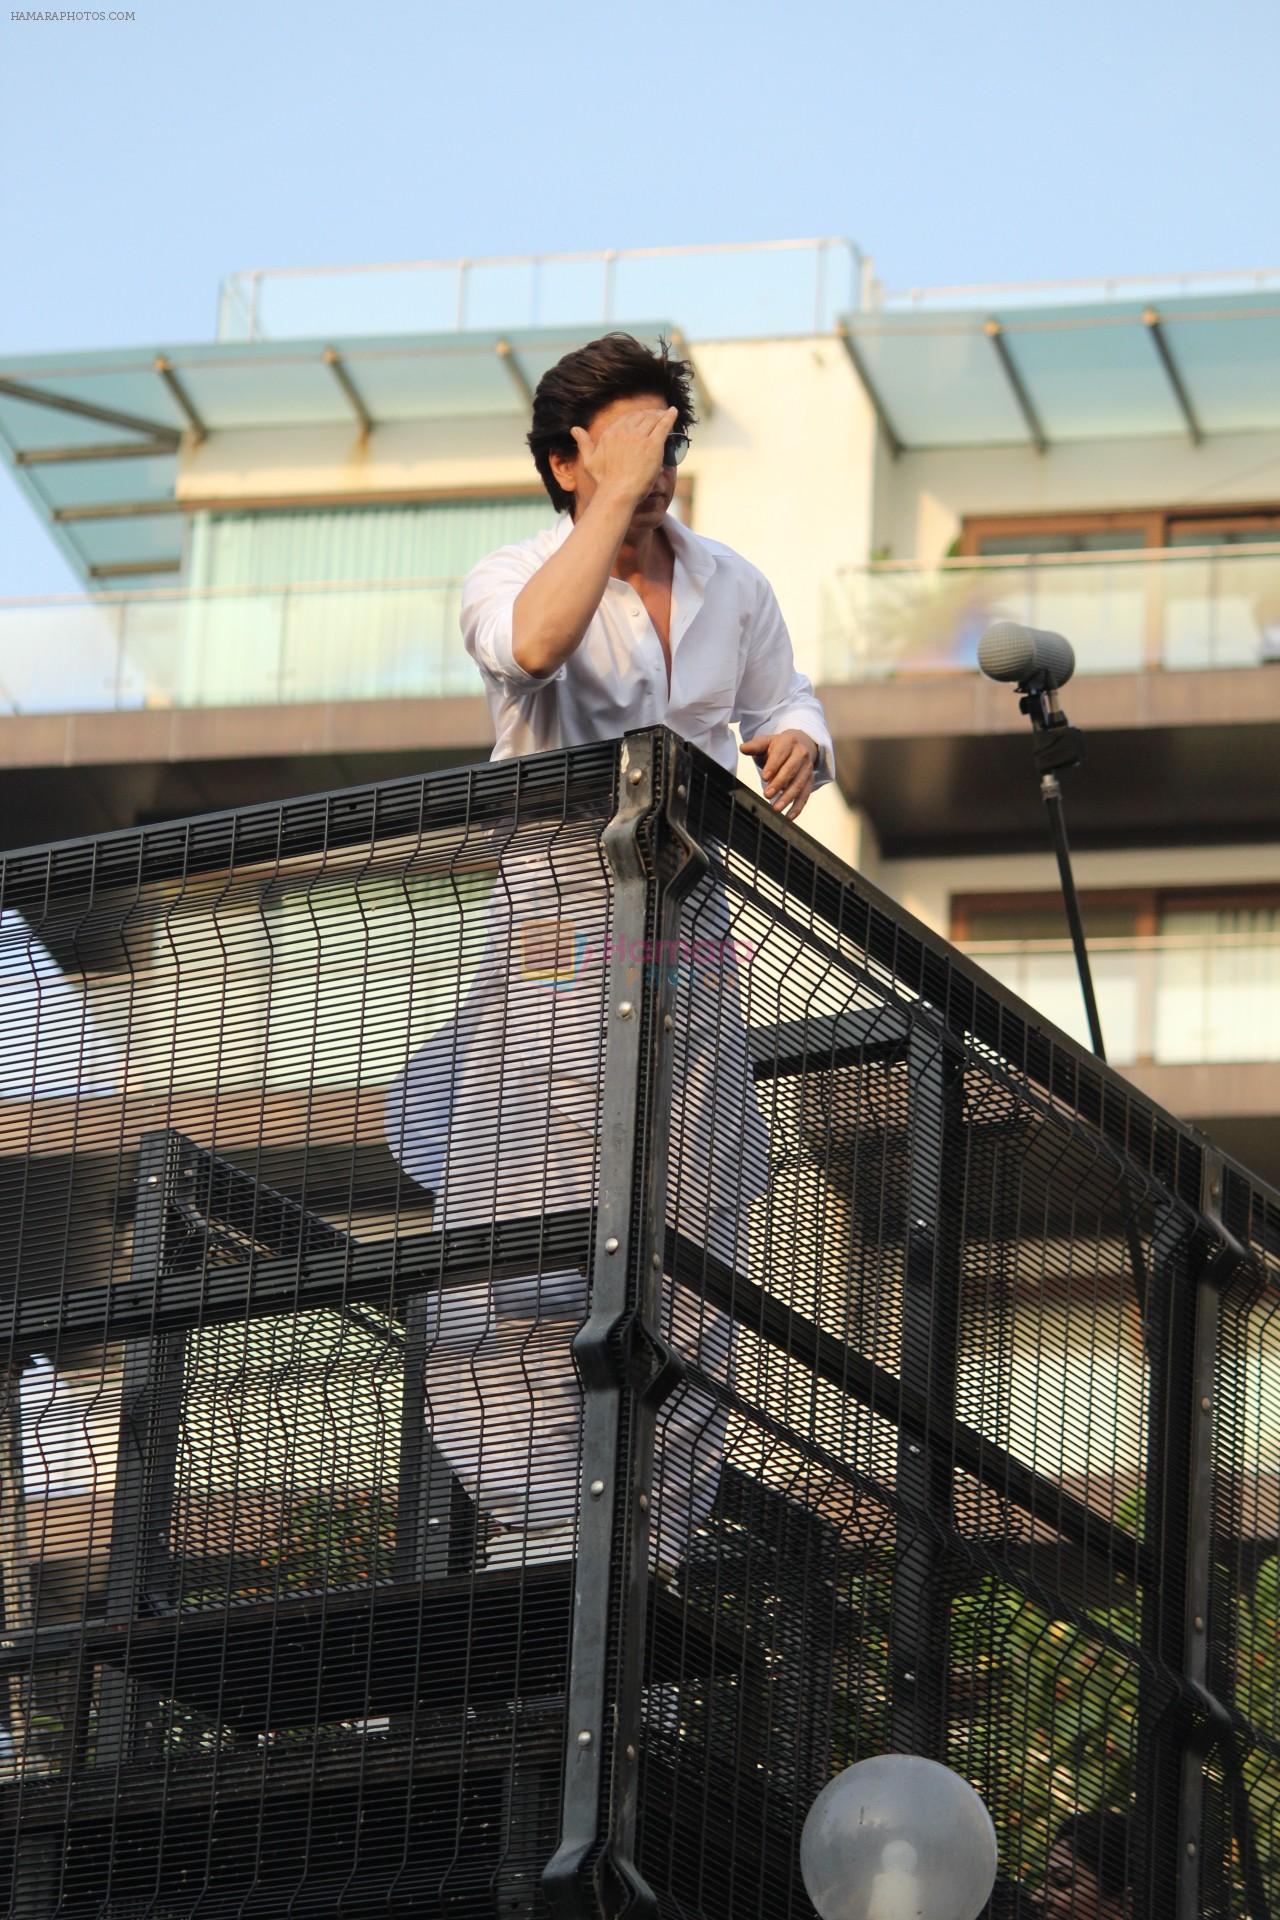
column 783, row 469
column 921, row 498
column 783, row 472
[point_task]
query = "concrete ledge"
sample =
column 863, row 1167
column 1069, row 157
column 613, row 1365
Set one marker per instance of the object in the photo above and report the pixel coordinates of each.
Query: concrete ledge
column 923, row 705
column 236, row 733
column 1205, row 1093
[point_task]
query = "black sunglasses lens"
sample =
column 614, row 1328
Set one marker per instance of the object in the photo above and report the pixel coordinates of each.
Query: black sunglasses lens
column 676, row 448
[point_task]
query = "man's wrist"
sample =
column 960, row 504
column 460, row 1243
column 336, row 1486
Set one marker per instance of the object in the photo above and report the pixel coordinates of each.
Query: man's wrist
column 618, row 499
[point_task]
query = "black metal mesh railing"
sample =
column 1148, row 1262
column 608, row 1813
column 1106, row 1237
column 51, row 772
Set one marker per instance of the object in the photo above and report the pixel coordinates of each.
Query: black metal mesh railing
column 544, row 1318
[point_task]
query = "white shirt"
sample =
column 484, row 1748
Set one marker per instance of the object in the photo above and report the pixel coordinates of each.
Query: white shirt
column 731, row 657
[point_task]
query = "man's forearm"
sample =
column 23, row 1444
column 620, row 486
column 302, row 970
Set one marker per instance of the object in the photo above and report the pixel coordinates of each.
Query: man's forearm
column 554, row 610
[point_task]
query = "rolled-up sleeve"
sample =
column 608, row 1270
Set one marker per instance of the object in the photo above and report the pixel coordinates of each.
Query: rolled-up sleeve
column 773, row 694
column 489, row 595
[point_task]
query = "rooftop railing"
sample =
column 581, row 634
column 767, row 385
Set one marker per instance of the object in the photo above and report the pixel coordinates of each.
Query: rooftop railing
column 722, row 291
column 1088, row 292
column 1182, row 608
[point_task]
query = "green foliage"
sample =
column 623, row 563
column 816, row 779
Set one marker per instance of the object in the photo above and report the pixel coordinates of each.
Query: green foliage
column 327, row 1540
column 1044, row 1711
column 334, row 1540
column 1257, row 1638
column 1051, row 1715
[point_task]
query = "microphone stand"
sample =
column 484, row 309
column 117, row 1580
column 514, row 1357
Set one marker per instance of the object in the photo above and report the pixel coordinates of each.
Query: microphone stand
column 1059, row 746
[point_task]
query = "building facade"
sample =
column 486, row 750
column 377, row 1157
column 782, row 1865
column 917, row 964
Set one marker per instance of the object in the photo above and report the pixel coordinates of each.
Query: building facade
column 271, row 528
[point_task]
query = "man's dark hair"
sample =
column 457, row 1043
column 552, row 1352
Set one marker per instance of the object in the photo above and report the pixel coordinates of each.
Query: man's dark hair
column 1100, row 1840
column 1010, row 1901
column 570, row 394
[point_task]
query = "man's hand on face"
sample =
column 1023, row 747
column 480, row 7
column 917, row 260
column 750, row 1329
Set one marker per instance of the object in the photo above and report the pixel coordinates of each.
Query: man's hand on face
column 627, row 458
column 788, row 762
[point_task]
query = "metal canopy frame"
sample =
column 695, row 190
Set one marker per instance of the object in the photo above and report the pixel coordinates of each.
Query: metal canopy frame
column 878, row 407
column 511, row 361
column 93, row 450
column 105, row 570
column 1017, row 385
column 337, row 366
column 109, row 416
column 164, row 367
column 1164, row 353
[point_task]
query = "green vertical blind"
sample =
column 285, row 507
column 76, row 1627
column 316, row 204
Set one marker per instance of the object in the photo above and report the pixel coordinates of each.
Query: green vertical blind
column 423, row 540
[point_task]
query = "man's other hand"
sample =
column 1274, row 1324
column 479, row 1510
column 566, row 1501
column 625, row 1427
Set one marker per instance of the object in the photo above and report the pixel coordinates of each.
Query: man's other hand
column 788, row 761
column 627, row 458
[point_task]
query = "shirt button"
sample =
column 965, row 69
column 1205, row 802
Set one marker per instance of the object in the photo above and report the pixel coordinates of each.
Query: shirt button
column 635, row 611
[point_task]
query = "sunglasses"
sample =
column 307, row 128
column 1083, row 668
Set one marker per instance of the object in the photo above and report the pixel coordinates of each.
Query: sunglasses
column 675, row 450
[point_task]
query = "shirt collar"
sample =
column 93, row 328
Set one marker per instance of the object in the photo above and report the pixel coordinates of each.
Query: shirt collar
column 694, row 555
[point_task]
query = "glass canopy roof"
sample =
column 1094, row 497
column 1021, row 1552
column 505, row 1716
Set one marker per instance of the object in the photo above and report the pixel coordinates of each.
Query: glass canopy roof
column 1193, row 364
column 93, row 437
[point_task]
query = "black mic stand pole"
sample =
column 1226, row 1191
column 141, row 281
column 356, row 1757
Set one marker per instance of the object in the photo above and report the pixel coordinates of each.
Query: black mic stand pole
column 1059, row 746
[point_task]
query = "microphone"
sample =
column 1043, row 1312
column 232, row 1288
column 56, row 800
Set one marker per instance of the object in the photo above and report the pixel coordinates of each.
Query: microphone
column 1008, row 651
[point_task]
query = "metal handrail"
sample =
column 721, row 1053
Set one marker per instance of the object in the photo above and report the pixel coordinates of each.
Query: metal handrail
column 124, row 596
column 245, row 285
column 1126, row 943
column 1111, row 287
column 1118, row 556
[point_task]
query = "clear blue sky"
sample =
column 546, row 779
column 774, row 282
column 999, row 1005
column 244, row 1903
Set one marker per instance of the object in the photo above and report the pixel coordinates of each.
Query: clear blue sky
column 1024, row 139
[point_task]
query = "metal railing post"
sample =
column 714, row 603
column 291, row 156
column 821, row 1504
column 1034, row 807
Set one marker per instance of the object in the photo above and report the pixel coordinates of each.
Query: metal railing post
column 1168, row 1605
column 1199, row 1556
column 918, row 1638
column 140, row 1574
column 625, row 1366
column 1209, row 1635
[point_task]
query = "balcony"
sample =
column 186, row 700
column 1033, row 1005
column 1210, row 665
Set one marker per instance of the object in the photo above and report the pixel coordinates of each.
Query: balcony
column 1184, row 609
column 176, row 700
column 128, row 653
column 1192, row 1020
column 1168, row 1000
column 1176, row 686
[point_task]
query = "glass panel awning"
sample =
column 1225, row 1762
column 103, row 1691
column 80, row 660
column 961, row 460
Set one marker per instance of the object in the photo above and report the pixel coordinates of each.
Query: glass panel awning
column 1190, row 364
column 94, row 437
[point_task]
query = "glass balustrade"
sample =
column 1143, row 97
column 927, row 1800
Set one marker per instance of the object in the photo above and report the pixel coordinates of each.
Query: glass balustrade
column 1179, row 608
column 1168, row 999
column 233, row 649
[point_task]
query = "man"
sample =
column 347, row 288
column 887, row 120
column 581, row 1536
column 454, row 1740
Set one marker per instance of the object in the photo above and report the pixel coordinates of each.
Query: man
column 619, row 617
column 1088, row 1874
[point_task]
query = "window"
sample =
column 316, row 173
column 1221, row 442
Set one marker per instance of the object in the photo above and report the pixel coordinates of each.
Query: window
column 1180, row 977
column 1033, row 534
column 1244, row 530
column 1003, row 535
column 1113, row 540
